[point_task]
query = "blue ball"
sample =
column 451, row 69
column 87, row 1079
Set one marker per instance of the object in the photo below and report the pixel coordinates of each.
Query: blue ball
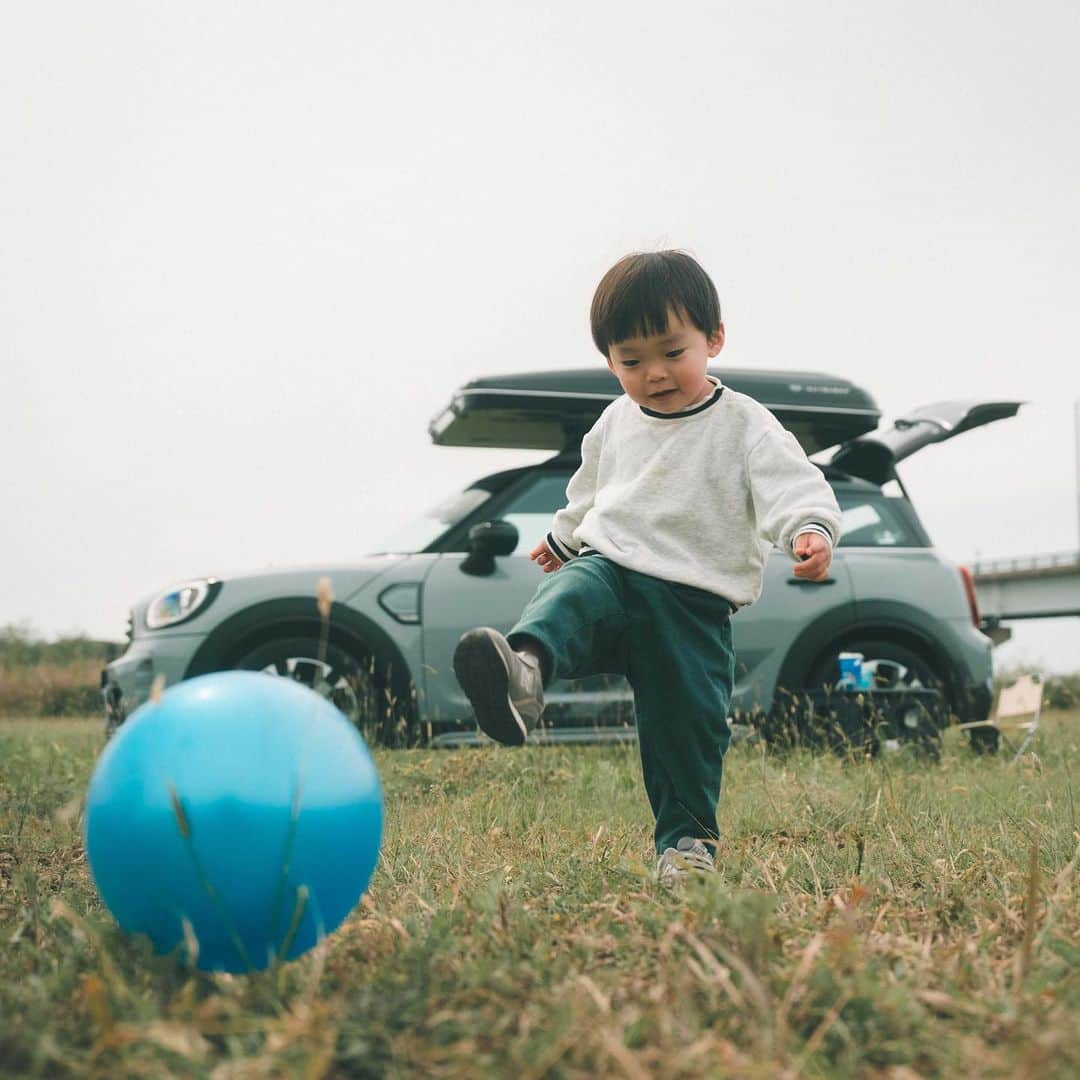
column 242, row 803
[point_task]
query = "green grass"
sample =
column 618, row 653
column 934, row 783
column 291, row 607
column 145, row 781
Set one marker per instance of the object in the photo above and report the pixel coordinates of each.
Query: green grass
column 887, row 918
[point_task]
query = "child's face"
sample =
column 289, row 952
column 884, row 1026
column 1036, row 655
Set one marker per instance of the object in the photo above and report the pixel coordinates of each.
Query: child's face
column 666, row 372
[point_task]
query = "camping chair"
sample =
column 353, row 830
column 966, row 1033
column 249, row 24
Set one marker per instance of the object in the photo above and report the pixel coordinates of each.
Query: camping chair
column 1022, row 699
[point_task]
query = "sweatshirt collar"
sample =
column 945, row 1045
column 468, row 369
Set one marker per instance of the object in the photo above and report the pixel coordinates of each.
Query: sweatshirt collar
column 713, row 398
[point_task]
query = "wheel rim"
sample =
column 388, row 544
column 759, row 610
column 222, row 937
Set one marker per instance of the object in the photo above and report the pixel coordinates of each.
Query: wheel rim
column 324, row 678
column 891, row 673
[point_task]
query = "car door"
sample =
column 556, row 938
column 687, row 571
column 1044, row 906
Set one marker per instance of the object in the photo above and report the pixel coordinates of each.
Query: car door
column 455, row 600
column 764, row 632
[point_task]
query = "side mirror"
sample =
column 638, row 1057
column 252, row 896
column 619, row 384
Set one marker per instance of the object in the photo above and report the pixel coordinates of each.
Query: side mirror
column 486, row 541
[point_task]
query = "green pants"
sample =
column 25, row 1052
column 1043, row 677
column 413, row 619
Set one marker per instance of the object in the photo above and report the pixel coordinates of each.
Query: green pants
column 673, row 644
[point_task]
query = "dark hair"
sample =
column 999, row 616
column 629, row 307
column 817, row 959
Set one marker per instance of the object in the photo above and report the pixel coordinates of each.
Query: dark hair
column 634, row 297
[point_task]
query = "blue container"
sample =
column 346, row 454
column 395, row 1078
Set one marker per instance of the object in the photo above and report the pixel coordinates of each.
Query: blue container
column 850, row 670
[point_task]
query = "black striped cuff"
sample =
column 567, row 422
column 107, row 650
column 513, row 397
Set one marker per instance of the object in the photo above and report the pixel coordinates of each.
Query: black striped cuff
column 562, row 552
column 814, row 527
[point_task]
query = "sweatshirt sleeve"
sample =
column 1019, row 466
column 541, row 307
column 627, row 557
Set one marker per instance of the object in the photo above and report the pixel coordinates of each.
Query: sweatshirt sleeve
column 789, row 492
column 580, row 495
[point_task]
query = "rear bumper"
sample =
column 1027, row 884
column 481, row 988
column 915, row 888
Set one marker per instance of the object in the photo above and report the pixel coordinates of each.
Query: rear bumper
column 976, row 702
column 972, row 675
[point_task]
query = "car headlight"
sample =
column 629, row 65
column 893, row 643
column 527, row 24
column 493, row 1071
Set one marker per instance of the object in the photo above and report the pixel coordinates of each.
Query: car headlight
column 181, row 602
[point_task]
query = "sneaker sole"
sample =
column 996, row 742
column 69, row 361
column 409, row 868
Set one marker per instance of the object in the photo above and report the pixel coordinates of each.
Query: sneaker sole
column 482, row 673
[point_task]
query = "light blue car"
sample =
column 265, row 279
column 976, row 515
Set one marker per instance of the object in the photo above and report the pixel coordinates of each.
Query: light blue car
column 384, row 653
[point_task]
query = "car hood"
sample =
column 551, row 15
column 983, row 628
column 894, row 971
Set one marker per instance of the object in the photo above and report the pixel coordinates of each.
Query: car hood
column 874, row 456
column 345, row 578
column 241, row 590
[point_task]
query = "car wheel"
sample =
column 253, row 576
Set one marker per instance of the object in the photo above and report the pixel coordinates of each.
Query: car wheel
column 984, row 740
column 894, row 666
column 351, row 684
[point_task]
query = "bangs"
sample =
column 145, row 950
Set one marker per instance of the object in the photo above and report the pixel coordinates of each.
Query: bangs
column 636, row 296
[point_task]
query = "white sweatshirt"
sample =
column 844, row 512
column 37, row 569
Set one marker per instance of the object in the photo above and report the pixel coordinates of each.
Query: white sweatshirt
column 697, row 497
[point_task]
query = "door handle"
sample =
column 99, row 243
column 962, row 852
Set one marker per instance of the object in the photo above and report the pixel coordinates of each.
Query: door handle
column 806, row 581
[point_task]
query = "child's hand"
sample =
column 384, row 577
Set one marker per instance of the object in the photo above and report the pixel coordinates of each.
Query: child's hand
column 545, row 558
column 815, row 555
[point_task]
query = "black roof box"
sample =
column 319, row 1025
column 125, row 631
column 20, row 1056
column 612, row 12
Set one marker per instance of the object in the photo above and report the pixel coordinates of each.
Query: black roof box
column 551, row 410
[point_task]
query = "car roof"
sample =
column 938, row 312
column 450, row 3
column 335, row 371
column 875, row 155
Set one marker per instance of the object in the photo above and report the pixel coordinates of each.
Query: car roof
column 551, row 410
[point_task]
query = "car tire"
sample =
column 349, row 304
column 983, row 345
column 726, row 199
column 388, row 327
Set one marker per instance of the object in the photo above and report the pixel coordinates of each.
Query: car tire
column 984, row 740
column 894, row 665
column 349, row 682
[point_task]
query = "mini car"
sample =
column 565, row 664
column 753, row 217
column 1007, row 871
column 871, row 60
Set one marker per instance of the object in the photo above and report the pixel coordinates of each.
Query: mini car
column 383, row 654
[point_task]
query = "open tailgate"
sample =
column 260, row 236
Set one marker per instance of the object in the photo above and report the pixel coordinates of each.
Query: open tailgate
column 874, row 457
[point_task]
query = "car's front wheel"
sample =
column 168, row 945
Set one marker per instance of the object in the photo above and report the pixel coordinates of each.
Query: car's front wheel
column 351, row 683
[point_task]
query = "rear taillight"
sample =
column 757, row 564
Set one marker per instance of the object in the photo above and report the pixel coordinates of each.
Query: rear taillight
column 969, row 588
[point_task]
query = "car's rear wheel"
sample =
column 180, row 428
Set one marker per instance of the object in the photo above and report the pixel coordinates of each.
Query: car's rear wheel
column 894, row 666
column 350, row 683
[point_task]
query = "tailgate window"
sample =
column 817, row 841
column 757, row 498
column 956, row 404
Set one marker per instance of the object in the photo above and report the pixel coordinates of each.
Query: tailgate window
column 871, row 520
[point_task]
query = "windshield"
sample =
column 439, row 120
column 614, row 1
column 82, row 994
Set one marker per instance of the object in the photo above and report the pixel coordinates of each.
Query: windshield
column 423, row 531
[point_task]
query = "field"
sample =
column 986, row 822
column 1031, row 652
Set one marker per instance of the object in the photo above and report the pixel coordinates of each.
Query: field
column 875, row 918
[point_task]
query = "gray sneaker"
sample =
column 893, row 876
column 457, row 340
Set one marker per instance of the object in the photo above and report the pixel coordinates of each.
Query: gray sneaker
column 505, row 687
column 676, row 863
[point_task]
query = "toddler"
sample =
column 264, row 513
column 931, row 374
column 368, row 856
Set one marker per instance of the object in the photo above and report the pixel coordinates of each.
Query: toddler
column 684, row 487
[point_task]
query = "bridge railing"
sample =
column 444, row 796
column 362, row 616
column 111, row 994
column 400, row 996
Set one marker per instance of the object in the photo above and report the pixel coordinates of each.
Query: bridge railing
column 1014, row 564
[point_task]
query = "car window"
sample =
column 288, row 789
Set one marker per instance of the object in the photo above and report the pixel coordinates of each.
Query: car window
column 417, row 534
column 530, row 510
column 871, row 520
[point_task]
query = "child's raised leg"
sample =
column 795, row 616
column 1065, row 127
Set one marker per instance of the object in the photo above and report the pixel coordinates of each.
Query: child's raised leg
column 572, row 627
column 576, row 620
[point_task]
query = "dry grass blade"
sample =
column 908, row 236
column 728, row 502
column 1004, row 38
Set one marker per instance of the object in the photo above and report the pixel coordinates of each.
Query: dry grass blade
column 324, row 601
column 758, row 994
column 1031, row 899
column 324, row 596
column 59, row 909
column 797, row 984
column 945, row 1004
column 183, row 823
column 623, row 1058
column 717, row 970
column 1059, row 893
column 818, row 1035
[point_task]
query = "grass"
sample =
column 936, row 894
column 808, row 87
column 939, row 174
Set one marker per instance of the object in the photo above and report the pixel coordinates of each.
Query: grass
column 68, row 688
column 878, row 918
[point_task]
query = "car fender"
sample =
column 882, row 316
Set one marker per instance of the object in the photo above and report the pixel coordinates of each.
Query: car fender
column 272, row 618
column 901, row 622
column 814, row 638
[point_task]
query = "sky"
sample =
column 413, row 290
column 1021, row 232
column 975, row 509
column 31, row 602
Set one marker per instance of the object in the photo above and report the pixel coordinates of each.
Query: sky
column 248, row 250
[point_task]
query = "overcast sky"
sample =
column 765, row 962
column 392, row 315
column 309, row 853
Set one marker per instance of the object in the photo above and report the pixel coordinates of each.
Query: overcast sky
column 248, row 250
